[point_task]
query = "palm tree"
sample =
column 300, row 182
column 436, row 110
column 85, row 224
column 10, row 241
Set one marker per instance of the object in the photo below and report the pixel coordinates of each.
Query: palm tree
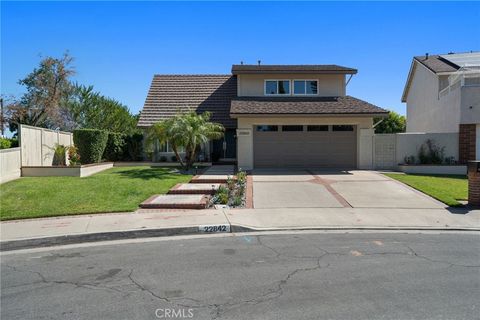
column 188, row 130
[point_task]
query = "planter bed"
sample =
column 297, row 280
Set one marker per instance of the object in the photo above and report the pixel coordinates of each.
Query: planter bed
column 60, row 171
column 433, row 169
column 157, row 164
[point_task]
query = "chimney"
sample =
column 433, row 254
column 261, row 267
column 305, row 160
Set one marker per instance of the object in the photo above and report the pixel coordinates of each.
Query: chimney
column 259, row 61
column 426, row 56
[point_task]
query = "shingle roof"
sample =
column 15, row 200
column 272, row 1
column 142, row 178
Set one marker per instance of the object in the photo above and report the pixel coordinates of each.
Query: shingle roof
column 305, row 68
column 305, row 105
column 173, row 94
column 437, row 64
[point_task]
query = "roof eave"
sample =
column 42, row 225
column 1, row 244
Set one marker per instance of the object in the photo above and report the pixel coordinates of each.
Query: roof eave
column 237, row 72
column 362, row 114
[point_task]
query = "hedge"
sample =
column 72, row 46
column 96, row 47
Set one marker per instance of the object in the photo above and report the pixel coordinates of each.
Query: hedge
column 115, row 147
column 133, row 147
column 91, row 144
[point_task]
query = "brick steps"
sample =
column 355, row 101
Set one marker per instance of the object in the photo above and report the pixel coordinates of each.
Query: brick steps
column 195, row 188
column 176, row 201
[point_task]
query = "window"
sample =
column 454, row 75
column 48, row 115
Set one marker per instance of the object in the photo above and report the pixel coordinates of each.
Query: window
column 266, row 128
column 342, row 128
column 292, row 128
column 277, row 87
column 317, row 128
column 166, row 147
column 305, row 87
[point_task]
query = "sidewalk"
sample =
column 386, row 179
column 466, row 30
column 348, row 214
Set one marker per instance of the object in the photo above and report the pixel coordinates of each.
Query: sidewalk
column 148, row 223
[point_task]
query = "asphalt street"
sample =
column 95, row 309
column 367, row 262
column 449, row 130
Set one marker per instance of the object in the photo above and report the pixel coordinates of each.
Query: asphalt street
column 245, row 276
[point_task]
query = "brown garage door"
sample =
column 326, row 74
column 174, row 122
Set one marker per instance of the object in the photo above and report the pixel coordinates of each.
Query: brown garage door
column 314, row 149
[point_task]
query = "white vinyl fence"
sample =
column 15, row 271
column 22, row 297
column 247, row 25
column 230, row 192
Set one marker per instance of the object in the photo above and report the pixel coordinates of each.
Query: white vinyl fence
column 36, row 149
column 38, row 144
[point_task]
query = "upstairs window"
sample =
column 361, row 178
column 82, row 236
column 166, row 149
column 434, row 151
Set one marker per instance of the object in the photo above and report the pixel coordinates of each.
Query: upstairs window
column 277, row 87
column 305, row 87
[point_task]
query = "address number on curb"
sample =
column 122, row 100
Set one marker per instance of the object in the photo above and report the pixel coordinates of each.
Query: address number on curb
column 215, row 228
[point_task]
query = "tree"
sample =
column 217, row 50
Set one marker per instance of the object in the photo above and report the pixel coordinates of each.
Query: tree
column 189, row 130
column 394, row 123
column 48, row 91
column 89, row 109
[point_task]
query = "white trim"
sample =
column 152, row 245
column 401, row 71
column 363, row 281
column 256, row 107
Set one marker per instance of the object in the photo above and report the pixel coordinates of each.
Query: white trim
column 305, row 94
column 277, row 94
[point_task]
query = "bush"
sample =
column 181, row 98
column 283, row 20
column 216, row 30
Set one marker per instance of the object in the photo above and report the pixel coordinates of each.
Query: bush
column 133, row 149
column 174, row 158
column 114, row 151
column 5, row 143
column 59, row 155
column 430, row 153
column 73, row 156
column 163, row 159
column 14, row 142
column 91, row 144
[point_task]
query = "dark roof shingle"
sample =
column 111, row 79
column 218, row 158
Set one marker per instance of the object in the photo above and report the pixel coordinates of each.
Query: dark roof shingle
column 306, row 105
column 437, row 64
column 300, row 68
column 173, row 94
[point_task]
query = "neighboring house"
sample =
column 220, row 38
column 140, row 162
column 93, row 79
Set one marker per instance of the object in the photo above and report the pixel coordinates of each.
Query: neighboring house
column 274, row 115
column 443, row 95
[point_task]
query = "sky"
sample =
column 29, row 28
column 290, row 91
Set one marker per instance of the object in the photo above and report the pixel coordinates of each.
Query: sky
column 119, row 46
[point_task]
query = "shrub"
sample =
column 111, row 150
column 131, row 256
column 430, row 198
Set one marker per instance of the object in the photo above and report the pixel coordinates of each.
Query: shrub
column 430, row 153
column 59, row 155
column 5, row 143
column 222, row 195
column 133, row 149
column 237, row 201
column 91, row 144
column 14, row 142
column 174, row 158
column 114, row 149
column 409, row 160
column 73, row 156
column 163, row 159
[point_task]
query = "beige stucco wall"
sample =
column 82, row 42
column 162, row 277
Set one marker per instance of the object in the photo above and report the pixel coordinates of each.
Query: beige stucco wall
column 429, row 110
column 254, row 84
column 425, row 113
column 470, row 104
column 246, row 126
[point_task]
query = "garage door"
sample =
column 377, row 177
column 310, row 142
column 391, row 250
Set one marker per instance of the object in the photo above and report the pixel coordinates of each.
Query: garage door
column 305, row 146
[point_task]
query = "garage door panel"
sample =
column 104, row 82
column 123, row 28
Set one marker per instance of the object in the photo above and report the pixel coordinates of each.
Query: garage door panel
column 305, row 149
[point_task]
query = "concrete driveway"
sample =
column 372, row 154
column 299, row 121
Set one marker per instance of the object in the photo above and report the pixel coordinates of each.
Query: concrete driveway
column 302, row 188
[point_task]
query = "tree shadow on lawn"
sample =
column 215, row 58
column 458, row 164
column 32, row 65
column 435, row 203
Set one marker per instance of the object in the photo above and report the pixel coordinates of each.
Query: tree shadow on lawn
column 149, row 173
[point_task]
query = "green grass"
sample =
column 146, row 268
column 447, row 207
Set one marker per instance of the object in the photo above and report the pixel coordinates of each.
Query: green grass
column 446, row 188
column 113, row 190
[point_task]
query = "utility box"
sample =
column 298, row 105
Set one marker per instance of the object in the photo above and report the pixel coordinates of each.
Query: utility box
column 473, row 172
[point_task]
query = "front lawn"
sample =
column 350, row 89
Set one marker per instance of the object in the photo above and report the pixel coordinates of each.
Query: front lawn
column 446, row 188
column 114, row 190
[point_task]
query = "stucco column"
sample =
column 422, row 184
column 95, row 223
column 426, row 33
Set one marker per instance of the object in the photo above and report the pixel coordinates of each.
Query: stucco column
column 245, row 148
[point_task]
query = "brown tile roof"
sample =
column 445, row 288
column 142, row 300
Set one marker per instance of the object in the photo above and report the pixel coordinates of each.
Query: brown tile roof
column 437, row 64
column 303, row 105
column 173, row 94
column 316, row 68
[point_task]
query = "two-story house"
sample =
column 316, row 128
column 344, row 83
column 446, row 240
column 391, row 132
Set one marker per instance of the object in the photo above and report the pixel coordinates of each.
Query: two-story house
column 442, row 93
column 274, row 115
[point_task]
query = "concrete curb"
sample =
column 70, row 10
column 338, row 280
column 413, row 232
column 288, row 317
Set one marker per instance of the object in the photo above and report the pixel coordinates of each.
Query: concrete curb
column 166, row 232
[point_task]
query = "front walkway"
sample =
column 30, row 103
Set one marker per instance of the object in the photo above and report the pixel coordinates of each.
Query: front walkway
column 277, row 188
